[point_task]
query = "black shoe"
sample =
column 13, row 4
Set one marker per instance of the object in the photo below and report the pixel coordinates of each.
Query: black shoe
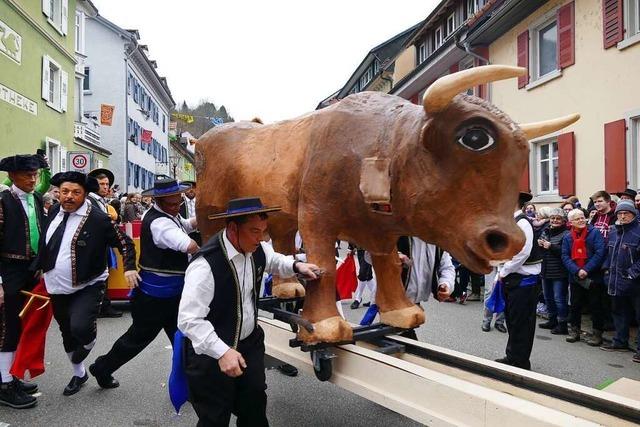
column 79, row 354
column 500, row 327
column 549, row 324
column 104, row 381
column 636, row 357
column 355, row 304
column 11, row 395
column 74, row 385
column 288, row 370
column 29, row 388
column 367, row 304
column 110, row 312
column 560, row 329
column 505, row 360
column 486, row 328
column 614, row 347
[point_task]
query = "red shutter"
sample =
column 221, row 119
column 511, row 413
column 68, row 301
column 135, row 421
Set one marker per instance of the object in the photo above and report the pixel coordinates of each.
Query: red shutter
column 483, row 90
column 454, row 68
column 615, row 156
column 523, row 57
column 524, row 179
column 612, row 22
column 566, row 164
column 566, row 35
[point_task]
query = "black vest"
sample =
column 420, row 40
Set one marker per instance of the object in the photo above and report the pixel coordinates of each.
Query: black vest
column 14, row 227
column 155, row 259
column 225, row 310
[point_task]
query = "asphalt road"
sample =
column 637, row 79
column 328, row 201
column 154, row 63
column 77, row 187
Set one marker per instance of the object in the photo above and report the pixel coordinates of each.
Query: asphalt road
column 142, row 399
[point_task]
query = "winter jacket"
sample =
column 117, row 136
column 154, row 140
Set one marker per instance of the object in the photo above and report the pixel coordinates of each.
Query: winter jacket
column 596, row 252
column 622, row 264
column 552, row 266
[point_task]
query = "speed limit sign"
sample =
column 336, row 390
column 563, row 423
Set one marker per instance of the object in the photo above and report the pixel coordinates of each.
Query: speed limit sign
column 80, row 161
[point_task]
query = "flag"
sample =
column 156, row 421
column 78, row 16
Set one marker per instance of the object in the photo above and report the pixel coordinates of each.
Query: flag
column 178, row 389
column 35, row 317
column 146, row 136
column 106, row 114
column 217, row 121
column 346, row 282
column 184, row 117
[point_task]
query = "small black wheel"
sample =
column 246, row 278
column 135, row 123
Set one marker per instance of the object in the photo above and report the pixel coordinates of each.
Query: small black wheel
column 323, row 368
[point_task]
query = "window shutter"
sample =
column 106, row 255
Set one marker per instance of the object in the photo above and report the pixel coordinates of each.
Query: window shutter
column 483, row 90
column 615, row 156
column 64, row 89
column 523, row 57
column 566, row 35
column 566, row 164
column 524, row 179
column 612, row 22
column 64, row 16
column 46, row 8
column 45, row 77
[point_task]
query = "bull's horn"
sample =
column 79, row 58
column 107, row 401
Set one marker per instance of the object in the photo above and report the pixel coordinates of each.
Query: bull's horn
column 442, row 91
column 534, row 130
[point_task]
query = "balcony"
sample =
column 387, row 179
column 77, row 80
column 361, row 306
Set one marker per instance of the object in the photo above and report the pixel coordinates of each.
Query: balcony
column 88, row 131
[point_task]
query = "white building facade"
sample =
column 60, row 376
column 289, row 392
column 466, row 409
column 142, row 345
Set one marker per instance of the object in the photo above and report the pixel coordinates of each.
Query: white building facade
column 121, row 74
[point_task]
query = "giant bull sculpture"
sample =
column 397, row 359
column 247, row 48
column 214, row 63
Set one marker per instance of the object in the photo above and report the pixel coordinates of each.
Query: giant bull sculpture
column 371, row 168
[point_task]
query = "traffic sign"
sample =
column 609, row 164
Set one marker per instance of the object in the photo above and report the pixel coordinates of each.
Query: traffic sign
column 80, row 161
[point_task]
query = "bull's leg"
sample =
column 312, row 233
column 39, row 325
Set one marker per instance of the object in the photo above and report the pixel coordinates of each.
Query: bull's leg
column 320, row 301
column 286, row 288
column 395, row 307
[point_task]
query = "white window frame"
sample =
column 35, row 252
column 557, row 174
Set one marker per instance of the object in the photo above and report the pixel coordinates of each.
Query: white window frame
column 79, row 32
column 422, row 52
column 631, row 35
column 57, row 13
column 52, row 72
column 537, row 169
column 53, row 149
column 437, row 38
column 633, row 148
column 450, row 28
column 85, row 79
column 534, row 49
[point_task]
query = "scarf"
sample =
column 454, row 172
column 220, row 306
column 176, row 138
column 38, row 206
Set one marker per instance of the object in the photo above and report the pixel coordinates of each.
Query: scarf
column 579, row 247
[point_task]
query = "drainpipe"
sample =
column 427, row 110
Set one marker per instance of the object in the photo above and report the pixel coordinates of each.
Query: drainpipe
column 467, row 48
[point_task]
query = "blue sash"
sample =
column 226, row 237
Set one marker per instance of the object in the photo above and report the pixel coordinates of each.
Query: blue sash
column 161, row 286
column 529, row 280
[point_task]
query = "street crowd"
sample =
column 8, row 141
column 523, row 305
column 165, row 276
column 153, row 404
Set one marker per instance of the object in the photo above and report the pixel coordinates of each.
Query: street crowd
column 57, row 235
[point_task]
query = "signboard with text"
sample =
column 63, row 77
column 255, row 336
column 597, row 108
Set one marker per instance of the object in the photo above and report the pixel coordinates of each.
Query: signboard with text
column 79, row 161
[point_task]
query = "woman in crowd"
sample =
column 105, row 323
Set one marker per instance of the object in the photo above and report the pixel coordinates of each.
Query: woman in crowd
column 130, row 210
column 554, row 275
column 583, row 251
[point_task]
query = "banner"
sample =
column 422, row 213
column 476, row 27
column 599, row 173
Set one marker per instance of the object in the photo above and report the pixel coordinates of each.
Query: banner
column 217, row 121
column 184, row 117
column 106, row 114
column 146, row 136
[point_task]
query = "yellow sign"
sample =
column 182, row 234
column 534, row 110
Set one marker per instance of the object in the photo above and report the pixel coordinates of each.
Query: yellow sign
column 184, row 117
column 106, row 114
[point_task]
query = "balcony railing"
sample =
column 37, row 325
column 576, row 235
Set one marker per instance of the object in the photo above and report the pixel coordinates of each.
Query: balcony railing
column 89, row 132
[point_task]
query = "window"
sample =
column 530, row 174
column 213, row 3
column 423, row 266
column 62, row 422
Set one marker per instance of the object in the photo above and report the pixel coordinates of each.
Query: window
column 547, row 42
column 633, row 152
column 136, row 176
column 437, row 35
column 52, row 148
column 57, row 12
column 86, row 85
column 366, row 77
column 472, row 7
column 546, row 153
column 164, row 123
column 55, row 83
column 376, row 67
column 451, row 25
column 631, row 12
column 422, row 53
column 79, row 32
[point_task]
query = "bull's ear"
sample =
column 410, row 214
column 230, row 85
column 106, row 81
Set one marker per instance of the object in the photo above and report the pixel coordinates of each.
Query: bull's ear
column 375, row 180
column 441, row 92
column 534, row 130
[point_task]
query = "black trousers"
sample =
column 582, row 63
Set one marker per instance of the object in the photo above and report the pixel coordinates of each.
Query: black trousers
column 150, row 316
column 595, row 297
column 16, row 275
column 215, row 396
column 76, row 315
column 520, row 315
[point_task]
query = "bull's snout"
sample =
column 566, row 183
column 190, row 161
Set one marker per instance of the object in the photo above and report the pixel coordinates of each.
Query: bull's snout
column 502, row 244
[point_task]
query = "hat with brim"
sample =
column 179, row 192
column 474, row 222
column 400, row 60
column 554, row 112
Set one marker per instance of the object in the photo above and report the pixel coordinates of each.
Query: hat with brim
column 102, row 171
column 89, row 183
column 628, row 192
column 244, row 206
column 191, row 183
column 524, row 197
column 165, row 186
column 22, row 162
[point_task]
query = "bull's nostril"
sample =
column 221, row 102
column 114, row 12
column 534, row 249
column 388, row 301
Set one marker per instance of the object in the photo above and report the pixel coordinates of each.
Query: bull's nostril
column 497, row 241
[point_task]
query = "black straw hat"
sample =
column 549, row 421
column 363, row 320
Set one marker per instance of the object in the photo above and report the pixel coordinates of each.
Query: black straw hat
column 244, row 206
column 23, row 162
column 89, row 183
column 164, row 186
column 628, row 192
column 524, row 197
column 102, row 171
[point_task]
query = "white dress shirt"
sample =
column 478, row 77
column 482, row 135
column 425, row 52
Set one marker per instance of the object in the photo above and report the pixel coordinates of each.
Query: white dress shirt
column 22, row 195
column 101, row 202
column 423, row 256
column 199, row 290
column 170, row 233
column 516, row 264
column 59, row 280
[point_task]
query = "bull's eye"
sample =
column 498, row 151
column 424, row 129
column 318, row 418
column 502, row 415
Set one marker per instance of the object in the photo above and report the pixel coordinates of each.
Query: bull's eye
column 476, row 138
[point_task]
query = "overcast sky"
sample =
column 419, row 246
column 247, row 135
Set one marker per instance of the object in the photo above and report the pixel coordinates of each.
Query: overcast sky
column 272, row 59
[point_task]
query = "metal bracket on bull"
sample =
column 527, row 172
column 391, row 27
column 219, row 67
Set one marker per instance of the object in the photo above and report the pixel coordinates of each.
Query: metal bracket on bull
column 272, row 305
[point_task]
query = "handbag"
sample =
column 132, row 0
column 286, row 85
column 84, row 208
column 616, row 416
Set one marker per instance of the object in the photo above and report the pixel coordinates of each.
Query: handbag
column 584, row 283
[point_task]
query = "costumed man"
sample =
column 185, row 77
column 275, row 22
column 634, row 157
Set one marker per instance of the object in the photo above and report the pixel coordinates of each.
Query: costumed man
column 74, row 262
column 224, row 348
column 426, row 269
column 164, row 256
column 519, row 276
column 105, row 180
column 21, row 226
column 188, row 209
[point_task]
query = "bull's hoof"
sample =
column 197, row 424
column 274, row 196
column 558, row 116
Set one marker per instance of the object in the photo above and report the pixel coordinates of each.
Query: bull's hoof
column 406, row 318
column 287, row 290
column 332, row 329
